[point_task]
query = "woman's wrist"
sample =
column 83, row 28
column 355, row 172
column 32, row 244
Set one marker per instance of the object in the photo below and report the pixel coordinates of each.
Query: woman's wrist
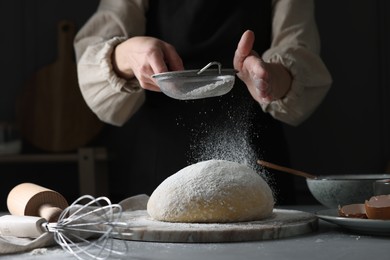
column 282, row 79
column 118, row 64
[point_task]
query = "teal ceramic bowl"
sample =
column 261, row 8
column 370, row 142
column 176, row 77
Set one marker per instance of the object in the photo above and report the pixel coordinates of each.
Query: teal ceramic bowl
column 334, row 190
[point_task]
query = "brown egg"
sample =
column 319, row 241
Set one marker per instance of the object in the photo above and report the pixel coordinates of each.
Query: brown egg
column 353, row 211
column 378, row 207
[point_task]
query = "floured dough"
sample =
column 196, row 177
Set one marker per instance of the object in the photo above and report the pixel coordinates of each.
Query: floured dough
column 212, row 191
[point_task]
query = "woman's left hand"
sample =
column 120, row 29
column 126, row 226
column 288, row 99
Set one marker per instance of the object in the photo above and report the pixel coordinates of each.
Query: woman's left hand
column 265, row 81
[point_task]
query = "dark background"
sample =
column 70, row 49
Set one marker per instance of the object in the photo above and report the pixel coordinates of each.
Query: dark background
column 349, row 133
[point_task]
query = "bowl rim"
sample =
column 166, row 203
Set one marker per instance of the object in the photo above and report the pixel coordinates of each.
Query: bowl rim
column 352, row 177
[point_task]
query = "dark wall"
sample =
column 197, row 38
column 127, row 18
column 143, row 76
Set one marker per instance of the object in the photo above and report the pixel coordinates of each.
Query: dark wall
column 349, row 133
column 29, row 40
column 28, row 43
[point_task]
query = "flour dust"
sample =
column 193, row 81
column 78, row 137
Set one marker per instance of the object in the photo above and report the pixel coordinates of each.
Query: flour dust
column 221, row 143
column 227, row 139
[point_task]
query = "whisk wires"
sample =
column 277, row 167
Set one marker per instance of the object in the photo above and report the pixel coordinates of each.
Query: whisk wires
column 87, row 230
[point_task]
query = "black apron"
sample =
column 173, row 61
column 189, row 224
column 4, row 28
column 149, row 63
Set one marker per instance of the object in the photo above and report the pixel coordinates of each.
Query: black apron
column 166, row 135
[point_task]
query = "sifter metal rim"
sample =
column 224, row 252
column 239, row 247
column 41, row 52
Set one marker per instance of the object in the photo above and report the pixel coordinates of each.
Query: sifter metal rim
column 205, row 71
column 194, row 73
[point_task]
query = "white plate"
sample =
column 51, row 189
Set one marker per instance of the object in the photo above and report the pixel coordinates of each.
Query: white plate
column 363, row 226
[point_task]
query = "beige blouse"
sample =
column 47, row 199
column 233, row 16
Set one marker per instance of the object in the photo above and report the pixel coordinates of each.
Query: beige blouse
column 295, row 44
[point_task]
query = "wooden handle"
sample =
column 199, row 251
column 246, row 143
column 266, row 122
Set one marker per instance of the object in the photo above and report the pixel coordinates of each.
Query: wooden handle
column 285, row 169
column 28, row 199
column 66, row 32
column 49, row 212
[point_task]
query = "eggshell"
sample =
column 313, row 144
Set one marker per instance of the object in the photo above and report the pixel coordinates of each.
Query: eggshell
column 378, row 207
column 353, row 211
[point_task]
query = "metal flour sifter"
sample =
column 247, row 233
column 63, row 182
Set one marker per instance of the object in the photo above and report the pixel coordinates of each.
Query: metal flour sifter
column 196, row 84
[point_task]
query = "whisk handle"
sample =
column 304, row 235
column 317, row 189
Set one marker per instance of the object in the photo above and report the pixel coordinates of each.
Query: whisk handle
column 22, row 226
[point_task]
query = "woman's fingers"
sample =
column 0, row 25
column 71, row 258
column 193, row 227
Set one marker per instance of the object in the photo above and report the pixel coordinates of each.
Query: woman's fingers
column 244, row 49
column 142, row 57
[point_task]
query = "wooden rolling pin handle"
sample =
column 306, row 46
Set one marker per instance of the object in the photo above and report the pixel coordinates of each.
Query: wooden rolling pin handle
column 49, row 212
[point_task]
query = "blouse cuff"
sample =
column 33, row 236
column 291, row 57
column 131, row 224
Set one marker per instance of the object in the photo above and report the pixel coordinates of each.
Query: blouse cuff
column 289, row 109
column 296, row 89
column 105, row 60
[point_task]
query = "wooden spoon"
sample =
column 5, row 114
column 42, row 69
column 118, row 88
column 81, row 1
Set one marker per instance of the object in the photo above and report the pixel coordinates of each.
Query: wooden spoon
column 286, row 169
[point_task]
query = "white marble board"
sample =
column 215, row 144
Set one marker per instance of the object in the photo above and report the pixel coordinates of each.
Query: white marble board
column 283, row 223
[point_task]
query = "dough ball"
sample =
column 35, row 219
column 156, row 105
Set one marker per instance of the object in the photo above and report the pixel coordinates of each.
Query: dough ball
column 212, row 191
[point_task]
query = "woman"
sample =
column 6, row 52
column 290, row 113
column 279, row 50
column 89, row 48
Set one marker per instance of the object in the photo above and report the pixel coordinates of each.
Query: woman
column 282, row 79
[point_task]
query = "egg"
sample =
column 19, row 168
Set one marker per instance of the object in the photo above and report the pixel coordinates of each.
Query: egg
column 378, row 207
column 353, row 211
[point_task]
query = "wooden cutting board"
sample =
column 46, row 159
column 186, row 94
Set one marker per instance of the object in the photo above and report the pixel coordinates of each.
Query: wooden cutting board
column 282, row 224
column 51, row 111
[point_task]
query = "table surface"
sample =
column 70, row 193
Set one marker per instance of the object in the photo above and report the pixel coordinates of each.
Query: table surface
column 329, row 242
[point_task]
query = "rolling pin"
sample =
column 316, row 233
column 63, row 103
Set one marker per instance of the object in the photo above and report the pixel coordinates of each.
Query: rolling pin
column 28, row 199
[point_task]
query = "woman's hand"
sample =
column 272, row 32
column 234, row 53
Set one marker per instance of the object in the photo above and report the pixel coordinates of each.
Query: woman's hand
column 265, row 81
column 141, row 57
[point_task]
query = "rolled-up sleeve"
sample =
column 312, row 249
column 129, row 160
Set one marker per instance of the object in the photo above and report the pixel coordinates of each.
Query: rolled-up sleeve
column 113, row 99
column 296, row 45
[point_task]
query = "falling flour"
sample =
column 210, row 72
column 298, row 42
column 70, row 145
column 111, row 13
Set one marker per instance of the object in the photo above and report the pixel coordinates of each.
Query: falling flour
column 228, row 139
column 229, row 136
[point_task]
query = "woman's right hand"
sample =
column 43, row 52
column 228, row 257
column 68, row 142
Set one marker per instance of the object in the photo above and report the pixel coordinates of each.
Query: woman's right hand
column 142, row 56
column 266, row 82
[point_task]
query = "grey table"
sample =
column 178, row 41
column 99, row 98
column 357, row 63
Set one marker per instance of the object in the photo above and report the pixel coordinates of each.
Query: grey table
column 330, row 242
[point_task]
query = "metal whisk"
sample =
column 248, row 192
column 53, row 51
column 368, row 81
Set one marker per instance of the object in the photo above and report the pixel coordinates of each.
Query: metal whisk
column 85, row 230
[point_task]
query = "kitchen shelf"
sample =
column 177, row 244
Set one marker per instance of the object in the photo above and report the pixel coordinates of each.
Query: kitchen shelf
column 92, row 166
